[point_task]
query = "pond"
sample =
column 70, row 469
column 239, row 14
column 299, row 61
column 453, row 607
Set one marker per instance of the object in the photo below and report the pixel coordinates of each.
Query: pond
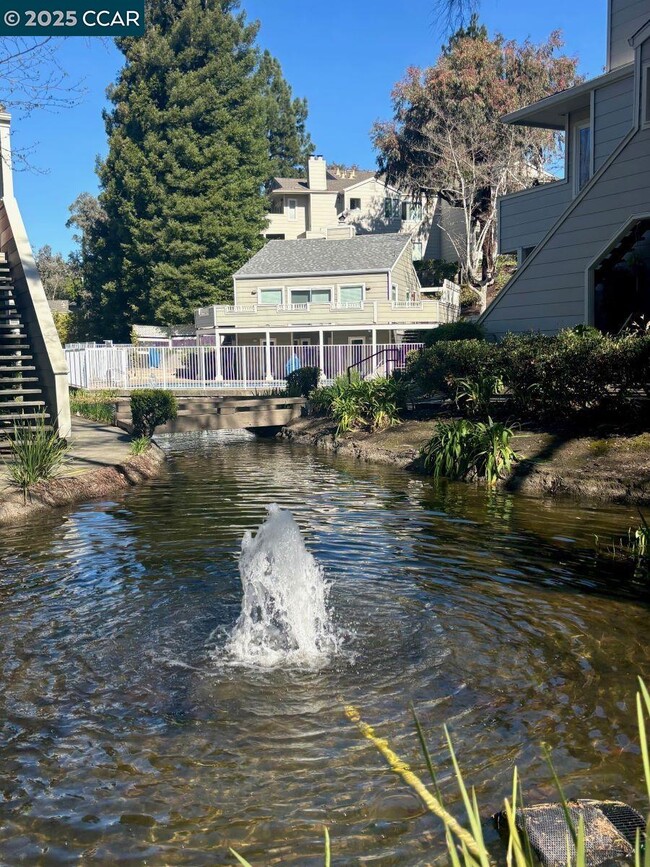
column 125, row 740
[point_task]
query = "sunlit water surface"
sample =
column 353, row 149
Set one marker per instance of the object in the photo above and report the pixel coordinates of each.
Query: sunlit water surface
column 125, row 741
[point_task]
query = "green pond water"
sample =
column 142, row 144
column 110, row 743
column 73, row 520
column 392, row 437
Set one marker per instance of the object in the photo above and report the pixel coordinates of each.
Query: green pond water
column 124, row 740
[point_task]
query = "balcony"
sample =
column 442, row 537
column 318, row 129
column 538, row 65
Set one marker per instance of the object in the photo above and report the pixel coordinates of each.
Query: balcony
column 363, row 314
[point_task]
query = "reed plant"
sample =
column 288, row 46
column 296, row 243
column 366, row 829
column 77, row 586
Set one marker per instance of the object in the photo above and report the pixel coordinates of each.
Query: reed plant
column 36, row 454
column 465, row 843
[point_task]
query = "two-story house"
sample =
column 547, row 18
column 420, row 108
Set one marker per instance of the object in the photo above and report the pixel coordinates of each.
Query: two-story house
column 325, row 302
column 318, row 205
column 583, row 243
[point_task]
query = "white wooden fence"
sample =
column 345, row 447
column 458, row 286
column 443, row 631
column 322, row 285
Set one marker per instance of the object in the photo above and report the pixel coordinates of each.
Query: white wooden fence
column 200, row 367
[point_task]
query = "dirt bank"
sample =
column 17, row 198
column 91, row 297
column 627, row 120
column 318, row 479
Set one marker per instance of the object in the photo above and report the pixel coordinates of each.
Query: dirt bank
column 94, row 484
column 613, row 468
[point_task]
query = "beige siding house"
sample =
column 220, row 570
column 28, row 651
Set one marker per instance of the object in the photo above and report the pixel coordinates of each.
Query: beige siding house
column 356, row 291
column 583, row 243
column 342, row 203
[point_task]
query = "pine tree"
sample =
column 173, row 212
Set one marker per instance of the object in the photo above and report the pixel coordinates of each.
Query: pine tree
column 182, row 185
column 290, row 145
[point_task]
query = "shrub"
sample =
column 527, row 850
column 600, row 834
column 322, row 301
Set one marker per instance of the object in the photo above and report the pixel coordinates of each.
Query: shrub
column 362, row 403
column 441, row 366
column 151, row 407
column 432, row 272
column 461, row 448
column 301, row 382
column 461, row 330
column 37, row 453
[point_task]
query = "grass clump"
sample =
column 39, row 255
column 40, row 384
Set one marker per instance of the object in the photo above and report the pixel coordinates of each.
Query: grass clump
column 151, row 407
column 462, row 449
column 95, row 405
column 37, row 453
column 139, row 445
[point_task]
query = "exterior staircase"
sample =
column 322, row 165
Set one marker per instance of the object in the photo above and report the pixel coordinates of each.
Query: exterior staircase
column 21, row 394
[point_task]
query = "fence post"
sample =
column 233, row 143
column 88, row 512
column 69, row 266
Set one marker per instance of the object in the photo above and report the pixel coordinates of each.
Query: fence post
column 244, row 364
column 202, row 366
column 267, row 357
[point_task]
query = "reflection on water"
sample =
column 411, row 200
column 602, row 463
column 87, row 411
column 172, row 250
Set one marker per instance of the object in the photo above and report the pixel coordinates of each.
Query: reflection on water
column 123, row 741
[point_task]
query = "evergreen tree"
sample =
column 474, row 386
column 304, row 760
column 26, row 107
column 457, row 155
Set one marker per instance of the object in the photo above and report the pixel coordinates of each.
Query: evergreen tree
column 290, row 145
column 182, row 185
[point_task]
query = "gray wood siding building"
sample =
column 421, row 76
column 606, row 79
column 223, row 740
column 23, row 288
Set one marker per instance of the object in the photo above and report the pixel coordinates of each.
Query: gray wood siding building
column 565, row 231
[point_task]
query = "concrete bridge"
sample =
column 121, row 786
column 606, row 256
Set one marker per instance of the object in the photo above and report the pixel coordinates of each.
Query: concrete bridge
column 205, row 412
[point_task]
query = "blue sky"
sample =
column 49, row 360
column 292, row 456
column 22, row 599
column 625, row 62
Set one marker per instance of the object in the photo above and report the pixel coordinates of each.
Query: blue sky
column 344, row 58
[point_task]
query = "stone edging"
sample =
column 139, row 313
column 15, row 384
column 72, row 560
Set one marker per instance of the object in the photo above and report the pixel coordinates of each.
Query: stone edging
column 91, row 485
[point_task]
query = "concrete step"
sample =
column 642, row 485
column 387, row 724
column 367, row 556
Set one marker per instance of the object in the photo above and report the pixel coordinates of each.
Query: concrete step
column 22, row 416
column 4, row 368
column 16, row 380
column 19, row 404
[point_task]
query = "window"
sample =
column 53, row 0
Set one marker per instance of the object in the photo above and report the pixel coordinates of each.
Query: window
column 302, row 341
column 357, row 341
column 277, row 205
column 292, row 209
column 411, row 211
column 392, row 209
column 394, row 292
column 417, row 251
column 317, row 295
column 645, row 95
column 270, row 296
column 582, row 155
column 274, row 237
column 355, row 204
column 351, row 294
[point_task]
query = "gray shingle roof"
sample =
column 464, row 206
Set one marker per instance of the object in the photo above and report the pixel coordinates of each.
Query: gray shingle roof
column 334, row 183
column 361, row 253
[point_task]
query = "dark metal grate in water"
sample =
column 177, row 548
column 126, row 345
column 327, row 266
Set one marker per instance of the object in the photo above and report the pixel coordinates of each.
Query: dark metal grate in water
column 610, row 831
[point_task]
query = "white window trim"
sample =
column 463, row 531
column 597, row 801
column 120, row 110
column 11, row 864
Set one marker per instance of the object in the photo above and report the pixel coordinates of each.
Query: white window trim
column 302, row 341
column 269, row 289
column 360, row 340
column 395, row 296
column 345, row 286
column 273, row 341
column 291, row 289
column 293, row 207
column 645, row 95
column 583, row 124
column 355, row 199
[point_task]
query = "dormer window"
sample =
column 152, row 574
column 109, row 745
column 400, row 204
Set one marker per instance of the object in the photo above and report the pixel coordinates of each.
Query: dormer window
column 582, row 155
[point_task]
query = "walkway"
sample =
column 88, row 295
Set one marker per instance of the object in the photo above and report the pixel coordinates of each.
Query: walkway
column 92, row 445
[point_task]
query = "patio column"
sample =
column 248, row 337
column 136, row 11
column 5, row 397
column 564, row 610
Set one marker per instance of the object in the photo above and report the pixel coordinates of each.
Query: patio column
column 321, row 352
column 218, row 373
column 267, row 356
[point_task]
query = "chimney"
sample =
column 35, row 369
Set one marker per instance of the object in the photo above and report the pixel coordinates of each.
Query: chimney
column 317, row 173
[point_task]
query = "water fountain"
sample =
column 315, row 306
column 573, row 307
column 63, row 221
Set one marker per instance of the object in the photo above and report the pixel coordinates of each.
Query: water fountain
column 285, row 617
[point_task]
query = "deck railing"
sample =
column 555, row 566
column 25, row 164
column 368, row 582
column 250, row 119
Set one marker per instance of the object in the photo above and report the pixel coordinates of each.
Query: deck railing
column 203, row 367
